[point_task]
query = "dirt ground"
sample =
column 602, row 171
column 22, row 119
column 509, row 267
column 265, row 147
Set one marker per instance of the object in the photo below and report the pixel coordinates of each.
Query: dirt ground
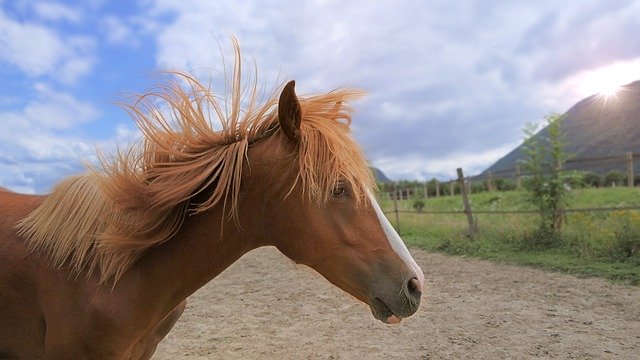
column 266, row 307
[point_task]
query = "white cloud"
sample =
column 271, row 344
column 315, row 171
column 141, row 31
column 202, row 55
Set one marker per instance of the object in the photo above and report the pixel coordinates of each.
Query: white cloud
column 37, row 50
column 53, row 11
column 127, row 134
column 117, row 31
column 35, row 57
column 39, row 145
column 448, row 86
column 52, row 109
column 419, row 167
column 452, row 84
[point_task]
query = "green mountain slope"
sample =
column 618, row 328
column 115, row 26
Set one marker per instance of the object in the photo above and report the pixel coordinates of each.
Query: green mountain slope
column 595, row 127
column 380, row 176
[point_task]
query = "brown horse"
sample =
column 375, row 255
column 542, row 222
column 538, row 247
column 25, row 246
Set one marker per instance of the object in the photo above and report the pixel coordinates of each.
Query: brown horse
column 101, row 267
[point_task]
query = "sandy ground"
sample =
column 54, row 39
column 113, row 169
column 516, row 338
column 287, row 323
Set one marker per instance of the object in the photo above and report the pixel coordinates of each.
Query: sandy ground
column 266, row 307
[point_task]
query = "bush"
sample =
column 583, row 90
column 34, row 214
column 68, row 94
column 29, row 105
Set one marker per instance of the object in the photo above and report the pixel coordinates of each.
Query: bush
column 615, row 178
column 504, row 184
column 610, row 236
column 575, row 180
column 627, row 243
column 540, row 239
column 478, row 187
column 418, row 205
column 590, row 179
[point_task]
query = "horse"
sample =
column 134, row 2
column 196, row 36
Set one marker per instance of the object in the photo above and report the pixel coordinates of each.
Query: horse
column 101, row 267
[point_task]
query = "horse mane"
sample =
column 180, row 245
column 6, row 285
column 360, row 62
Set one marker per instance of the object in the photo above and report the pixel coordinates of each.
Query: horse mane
column 105, row 219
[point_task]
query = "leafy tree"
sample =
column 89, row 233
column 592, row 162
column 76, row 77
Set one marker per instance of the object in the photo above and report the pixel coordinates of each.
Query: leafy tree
column 544, row 156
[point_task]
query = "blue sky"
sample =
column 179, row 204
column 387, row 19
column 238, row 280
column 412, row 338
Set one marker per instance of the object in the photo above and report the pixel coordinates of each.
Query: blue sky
column 450, row 83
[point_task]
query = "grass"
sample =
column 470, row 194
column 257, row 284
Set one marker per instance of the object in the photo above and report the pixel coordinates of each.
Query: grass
column 601, row 244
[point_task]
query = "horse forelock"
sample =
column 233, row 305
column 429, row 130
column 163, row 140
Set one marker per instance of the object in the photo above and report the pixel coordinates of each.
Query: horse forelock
column 144, row 193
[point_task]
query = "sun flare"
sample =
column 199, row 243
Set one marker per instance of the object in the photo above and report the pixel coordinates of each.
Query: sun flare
column 609, row 90
column 606, row 82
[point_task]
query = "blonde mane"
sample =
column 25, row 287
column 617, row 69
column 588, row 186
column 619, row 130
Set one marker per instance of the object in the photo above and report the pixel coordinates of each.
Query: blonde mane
column 102, row 221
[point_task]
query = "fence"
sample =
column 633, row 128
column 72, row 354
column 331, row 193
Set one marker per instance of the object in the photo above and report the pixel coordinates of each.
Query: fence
column 462, row 186
column 576, row 164
column 435, row 188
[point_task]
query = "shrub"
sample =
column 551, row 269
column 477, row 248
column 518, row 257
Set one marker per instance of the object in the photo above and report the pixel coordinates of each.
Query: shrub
column 590, row 179
column 575, row 180
column 627, row 244
column 504, row 184
column 615, row 178
column 544, row 237
column 418, row 205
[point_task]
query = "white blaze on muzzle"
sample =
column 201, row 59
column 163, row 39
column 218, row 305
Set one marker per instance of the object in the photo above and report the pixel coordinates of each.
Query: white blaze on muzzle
column 395, row 241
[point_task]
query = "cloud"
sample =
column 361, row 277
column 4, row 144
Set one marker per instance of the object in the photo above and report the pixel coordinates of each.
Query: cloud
column 419, row 167
column 53, row 109
column 448, row 86
column 444, row 82
column 581, row 37
column 35, row 57
column 117, row 31
column 39, row 145
column 37, row 50
column 53, row 11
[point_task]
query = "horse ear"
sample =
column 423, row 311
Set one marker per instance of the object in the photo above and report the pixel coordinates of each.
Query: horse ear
column 289, row 114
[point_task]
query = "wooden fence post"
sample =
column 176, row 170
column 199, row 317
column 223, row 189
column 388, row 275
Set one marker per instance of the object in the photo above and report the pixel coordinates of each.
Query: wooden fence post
column 395, row 206
column 467, row 207
column 518, row 177
column 425, row 190
column 451, row 187
column 437, row 188
column 630, row 169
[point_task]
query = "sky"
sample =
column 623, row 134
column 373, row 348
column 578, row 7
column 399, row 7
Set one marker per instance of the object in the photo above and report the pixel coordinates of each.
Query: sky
column 449, row 83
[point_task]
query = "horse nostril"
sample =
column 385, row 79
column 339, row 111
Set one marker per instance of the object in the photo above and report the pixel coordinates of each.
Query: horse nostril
column 414, row 288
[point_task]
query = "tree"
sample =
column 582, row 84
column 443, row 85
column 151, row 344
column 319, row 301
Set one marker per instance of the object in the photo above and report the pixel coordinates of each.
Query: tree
column 544, row 156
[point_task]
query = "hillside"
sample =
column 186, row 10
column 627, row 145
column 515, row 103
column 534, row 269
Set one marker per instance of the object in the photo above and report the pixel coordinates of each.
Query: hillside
column 595, row 127
column 380, row 176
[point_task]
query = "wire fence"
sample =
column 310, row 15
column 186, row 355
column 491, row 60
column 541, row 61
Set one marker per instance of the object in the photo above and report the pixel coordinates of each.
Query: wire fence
column 464, row 186
column 621, row 173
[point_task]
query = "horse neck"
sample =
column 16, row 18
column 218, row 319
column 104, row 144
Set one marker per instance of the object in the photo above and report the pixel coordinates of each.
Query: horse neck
column 207, row 243
column 201, row 250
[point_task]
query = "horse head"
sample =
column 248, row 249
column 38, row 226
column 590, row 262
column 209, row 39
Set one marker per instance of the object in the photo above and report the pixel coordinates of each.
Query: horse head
column 338, row 230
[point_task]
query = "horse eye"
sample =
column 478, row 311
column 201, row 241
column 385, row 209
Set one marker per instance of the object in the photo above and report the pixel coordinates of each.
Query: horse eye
column 339, row 190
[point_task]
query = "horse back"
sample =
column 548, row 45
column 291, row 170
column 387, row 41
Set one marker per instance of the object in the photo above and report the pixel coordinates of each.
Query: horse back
column 22, row 326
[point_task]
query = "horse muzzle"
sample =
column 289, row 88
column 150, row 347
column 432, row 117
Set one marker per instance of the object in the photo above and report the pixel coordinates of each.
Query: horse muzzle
column 393, row 306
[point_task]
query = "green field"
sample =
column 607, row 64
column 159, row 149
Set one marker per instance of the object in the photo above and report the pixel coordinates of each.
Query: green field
column 603, row 244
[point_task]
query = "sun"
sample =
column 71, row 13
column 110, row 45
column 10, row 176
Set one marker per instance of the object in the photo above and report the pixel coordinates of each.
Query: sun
column 609, row 90
column 603, row 82
column 606, row 82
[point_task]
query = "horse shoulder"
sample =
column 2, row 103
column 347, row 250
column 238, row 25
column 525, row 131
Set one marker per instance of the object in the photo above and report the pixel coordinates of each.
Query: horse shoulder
column 22, row 325
column 47, row 312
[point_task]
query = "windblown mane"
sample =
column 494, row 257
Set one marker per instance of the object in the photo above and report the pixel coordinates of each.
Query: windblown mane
column 102, row 221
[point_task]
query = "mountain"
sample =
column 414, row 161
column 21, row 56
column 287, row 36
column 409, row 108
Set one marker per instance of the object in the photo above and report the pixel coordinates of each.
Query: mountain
column 595, row 127
column 380, row 176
